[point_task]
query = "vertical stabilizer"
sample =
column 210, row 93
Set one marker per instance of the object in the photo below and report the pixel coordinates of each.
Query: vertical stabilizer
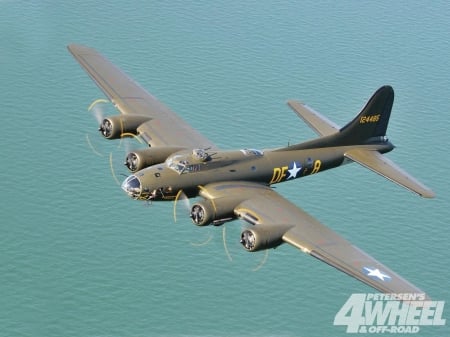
column 373, row 119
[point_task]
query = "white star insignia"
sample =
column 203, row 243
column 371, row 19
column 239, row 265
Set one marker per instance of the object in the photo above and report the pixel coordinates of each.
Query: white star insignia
column 377, row 273
column 294, row 171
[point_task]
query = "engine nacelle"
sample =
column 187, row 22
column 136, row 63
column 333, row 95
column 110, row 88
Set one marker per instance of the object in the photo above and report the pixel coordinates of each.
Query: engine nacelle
column 263, row 237
column 208, row 212
column 115, row 127
column 139, row 159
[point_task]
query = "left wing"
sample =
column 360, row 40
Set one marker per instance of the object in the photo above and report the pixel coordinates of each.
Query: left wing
column 164, row 128
column 272, row 215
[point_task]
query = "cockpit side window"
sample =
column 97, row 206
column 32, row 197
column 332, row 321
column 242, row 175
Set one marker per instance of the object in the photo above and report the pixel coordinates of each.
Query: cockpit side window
column 252, row 152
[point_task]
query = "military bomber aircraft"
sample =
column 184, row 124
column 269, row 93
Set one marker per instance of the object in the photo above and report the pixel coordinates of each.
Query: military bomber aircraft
column 236, row 184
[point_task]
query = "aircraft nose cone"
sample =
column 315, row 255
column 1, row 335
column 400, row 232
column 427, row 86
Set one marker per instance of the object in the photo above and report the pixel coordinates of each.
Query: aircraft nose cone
column 132, row 186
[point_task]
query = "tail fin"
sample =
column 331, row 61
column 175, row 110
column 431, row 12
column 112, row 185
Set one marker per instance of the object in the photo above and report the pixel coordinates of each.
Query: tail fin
column 373, row 119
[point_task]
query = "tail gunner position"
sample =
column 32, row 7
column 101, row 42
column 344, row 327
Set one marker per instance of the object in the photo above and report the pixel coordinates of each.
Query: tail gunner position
column 237, row 183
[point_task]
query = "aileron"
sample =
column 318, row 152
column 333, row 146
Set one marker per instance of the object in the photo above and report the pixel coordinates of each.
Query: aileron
column 306, row 233
column 165, row 128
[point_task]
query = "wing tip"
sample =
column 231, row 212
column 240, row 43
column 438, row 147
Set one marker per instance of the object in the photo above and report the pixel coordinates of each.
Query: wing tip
column 72, row 46
column 75, row 48
column 428, row 194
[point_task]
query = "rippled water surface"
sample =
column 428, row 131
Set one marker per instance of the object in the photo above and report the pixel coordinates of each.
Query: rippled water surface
column 78, row 258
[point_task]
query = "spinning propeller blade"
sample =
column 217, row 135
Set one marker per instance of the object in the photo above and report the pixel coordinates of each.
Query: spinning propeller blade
column 185, row 201
column 97, row 108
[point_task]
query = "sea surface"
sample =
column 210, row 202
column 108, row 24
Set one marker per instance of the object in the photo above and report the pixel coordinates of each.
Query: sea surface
column 79, row 258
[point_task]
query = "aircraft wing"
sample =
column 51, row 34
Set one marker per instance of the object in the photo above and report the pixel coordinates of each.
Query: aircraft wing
column 386, row 168
column 271, row 214
column 319, row 123
column 164, row 128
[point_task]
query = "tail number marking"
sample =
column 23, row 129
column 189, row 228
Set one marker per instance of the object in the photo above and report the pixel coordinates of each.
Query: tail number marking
column 369, row 119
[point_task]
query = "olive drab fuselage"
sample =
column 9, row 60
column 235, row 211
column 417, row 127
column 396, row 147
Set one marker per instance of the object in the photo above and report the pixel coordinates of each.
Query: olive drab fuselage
column 184, row 171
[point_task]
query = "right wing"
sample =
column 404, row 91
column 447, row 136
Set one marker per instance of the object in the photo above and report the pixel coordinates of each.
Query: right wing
column 164, row 128
column 276, row 218
column 319, row 123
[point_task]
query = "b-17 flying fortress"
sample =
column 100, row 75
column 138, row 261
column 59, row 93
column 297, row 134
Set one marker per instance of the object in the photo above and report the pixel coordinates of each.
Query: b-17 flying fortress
column 236, row 184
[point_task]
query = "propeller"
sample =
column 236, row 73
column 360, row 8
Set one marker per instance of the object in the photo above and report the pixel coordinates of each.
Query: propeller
column 113, row 171
column 262, row 261
column 97, row 108
column 204, row 243
column 116, row 158
column 131, row 161
column 182, row 197
column 106, row 128
column 186, row 205
column 196, row 213
column 224, row 235
column 92, row 147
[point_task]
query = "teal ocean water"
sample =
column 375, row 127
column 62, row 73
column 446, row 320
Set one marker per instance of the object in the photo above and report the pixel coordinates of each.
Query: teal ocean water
column 79, row 258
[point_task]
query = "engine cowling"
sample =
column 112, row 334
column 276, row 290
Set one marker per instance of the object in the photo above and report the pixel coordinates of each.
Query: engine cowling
column 263, row 237
column 115, row 127
column 138, row 159
column 207, row 212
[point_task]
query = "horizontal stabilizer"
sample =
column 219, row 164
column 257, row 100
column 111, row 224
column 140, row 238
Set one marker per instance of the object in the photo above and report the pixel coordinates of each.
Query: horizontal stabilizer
column 321, row 125
column 382, row 165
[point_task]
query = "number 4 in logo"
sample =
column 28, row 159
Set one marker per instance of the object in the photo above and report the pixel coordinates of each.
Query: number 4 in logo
column 351, row 313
